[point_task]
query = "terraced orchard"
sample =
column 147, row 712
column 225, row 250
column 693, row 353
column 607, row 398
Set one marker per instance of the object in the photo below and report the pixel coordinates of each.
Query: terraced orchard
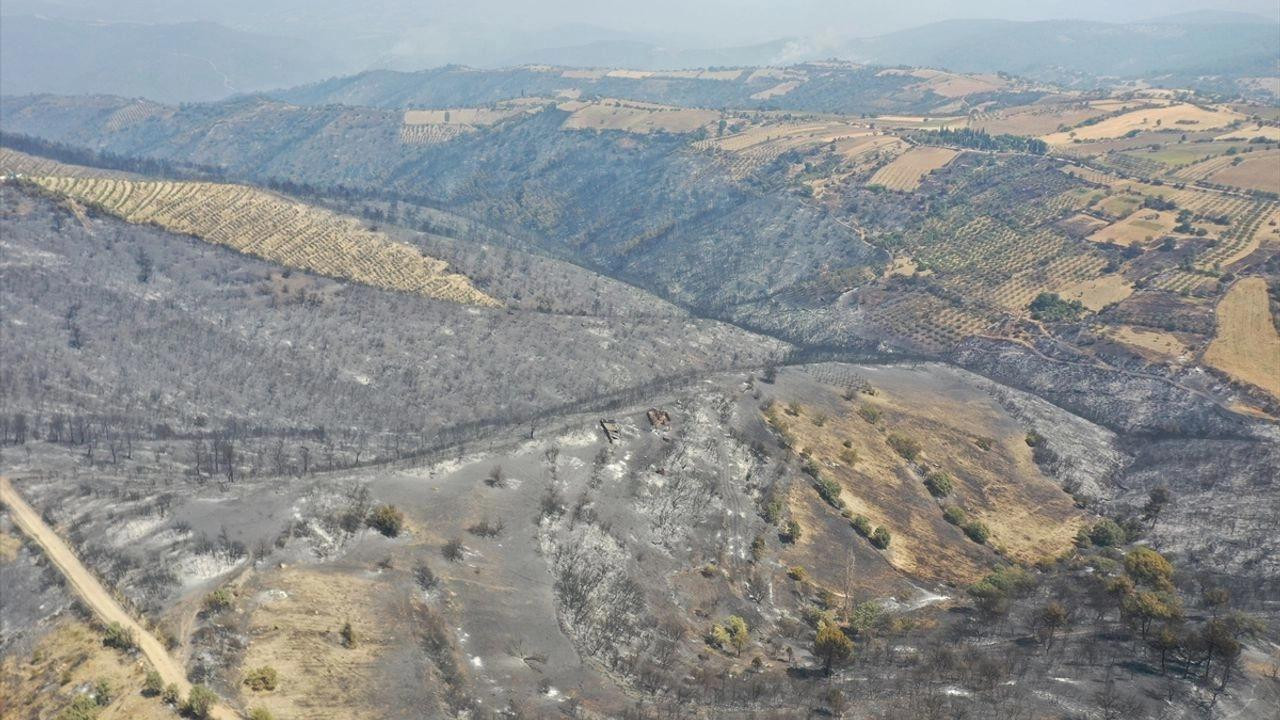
column 273, row 228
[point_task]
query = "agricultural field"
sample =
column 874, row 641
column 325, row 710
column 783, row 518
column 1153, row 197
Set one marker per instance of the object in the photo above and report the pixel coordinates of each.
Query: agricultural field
column 1141, row 227
column 906, row 171
column 1256, row 171
column 634, row 117
column 273, row 228
column 1178, row 117
column 1162, row 344
column 1246, row 345
column 1029, row 517
column 1032, row 120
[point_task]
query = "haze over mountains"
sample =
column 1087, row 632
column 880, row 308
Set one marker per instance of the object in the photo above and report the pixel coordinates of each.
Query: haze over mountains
column 171, row 53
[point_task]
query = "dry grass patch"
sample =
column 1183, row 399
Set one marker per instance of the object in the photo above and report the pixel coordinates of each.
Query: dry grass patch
column 69, row 657
column 1178, row 117
column 1099, row 292
column 1029, row 516
column 635, row 117
column 274, row 228
column 298, row 634
column 1159, row 342
column 1256, row 171
column 1138, row 228
column 1247, row 346
column 907, row 170
column 778, row 90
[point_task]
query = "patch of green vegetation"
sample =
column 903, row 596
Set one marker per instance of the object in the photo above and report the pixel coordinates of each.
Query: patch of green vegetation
column 955, row 515
column 939, row 484
column 1050, row 307
column 907, row 447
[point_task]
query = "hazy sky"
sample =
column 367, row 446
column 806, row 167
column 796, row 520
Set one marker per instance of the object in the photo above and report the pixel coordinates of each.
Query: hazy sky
column 715, row 22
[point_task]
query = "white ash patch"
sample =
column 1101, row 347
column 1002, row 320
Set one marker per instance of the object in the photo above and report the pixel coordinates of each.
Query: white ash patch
column 135, row 530
column 201, row 568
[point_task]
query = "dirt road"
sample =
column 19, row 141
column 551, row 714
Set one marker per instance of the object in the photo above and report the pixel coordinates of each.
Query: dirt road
column 94, row 594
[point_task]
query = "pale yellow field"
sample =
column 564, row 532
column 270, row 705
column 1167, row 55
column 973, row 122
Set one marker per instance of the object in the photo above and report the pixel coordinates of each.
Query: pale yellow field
column 1099, row 292
column 781, row 88
column 297, row 634
column 1178, row 117
column 1156, row 341
column 1249, row 132
column 951, row 85
column 13, row 162
column 642, row 118
column 268, row 226
column 1141, row 226
column 1258, row 171
column 68, row 659
column 907, row 170
column 1247, row 346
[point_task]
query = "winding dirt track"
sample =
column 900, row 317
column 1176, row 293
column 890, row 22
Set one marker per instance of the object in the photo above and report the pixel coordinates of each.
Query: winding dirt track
column 94, row 594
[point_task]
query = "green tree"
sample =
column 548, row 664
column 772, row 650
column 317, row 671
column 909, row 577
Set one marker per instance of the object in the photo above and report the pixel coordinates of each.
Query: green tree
column 1148, row 567
column 739, row 633
column 1157, row 500
column 1049, row 620
column 880, row 538
column 831, row 645
column 954, row 515
column 1106, row 533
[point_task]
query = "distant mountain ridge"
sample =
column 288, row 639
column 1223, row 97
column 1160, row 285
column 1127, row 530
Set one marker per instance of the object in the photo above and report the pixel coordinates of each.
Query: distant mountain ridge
column 207, row 61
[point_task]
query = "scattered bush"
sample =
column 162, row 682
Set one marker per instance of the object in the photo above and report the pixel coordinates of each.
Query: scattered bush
column 938, row 483
column 120, row 637
column 790, row 532
column 454, row 550
column 153, row 685
column 977, row 531
column 102, row 692
column 200, row 702
column 487, row 528
column 83, row 707
column 171, row 696
column 880, row 538
column 387, row 519
column 829, row 490
column 1050, row 307
column 862, row 525
column 869, row 413
column 954, row 515
column 260, row 713
column 219, row 600
column 797, row 573
column 263, row 679
column 907, row 447
column 425, row 576
column 348, row 635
